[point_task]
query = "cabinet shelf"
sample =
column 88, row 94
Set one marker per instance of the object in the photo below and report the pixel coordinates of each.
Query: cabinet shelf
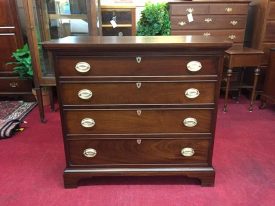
column 119, row 25
column 68, row 16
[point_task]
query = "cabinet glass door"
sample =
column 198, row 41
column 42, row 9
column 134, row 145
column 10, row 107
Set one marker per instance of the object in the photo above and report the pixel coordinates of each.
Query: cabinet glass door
column 55, row 19
column 66, row 18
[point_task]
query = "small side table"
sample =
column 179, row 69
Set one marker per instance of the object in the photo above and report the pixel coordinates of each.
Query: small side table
column 241, row 57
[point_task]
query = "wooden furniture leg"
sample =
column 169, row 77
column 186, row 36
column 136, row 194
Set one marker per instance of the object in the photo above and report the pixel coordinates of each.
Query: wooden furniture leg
column 229, row 74
column 51, row 98
column 240, row 85
column 256, row 77
column 263, row 103
column 40, row 104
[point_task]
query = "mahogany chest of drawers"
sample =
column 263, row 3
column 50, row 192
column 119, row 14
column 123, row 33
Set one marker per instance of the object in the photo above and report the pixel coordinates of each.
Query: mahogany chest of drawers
column 226, row 19
column 263, row 14
column 138, row 105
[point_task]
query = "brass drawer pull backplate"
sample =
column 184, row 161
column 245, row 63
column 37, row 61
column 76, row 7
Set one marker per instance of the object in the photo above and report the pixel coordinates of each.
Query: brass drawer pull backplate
column 82, row 67
column 89, row 152
column 187, row 152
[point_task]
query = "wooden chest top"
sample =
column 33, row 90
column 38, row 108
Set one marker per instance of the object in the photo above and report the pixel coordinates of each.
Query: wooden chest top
column 136, row 42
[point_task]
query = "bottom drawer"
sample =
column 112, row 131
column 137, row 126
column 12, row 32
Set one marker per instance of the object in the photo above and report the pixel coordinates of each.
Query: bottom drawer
column 14, row 84
column 118, row 31
column 138, row 151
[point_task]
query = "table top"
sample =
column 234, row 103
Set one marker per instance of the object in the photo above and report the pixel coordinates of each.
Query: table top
column 235, row 50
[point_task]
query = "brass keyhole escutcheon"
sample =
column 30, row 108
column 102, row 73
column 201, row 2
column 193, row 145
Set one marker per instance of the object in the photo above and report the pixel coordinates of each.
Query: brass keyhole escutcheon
column 138, row 112
column 139, row 141
column 138, row 85
column 138, row 59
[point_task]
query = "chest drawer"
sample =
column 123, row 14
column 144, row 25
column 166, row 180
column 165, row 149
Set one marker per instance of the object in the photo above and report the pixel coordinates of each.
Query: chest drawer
column 271, row 9
column 137, row 151
column 228, row 8
column 130, row 121
column 121, row 16
column 13, row 84
column 184, row 9
column 266, row 48
column 270, row 32
column 137, row 66
column 138, row 93
column 236, row 36
column 209, row 22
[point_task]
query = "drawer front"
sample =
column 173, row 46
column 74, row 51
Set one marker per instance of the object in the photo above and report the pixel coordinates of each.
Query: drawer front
column 266, row 48
column 184, row 9
column 228, row 8
column 271, row 10
column 15, row 85
column 122, row 16
column 138, row 121
column 209, row 22
column 270, row 32
column 136, row 66
column 137, row 93
column 237, row 36
column 138, row 151
column 118, row 31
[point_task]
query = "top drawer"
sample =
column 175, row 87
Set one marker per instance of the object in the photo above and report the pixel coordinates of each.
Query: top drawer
column 184, row 9
column 271, row 11
column 121, row 16
column 137, row 66
column 228, row 9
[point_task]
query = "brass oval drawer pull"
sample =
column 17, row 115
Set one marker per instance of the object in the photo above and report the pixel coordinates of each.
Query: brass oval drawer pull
column 228, row 9
column 87, row 122
column 206, row 34
column 89, row 152
column 85, row 94
column 234, row 23
column 194, row 66
column 13, row 84
column 192, row 93
column 82, row 67
column 232, row 37
column 208, row 20
column 187, row 152
column 182, row 23
column 190, row 122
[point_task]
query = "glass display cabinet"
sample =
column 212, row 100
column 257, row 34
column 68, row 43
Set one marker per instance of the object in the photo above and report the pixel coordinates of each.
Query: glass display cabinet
column 118, row 20
column 52, row 19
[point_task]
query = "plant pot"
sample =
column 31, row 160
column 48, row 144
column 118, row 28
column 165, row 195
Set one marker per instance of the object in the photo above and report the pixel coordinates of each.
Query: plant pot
column 45, row 95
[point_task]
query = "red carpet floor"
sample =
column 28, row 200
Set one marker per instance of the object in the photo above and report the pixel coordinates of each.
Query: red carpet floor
column 32, row 162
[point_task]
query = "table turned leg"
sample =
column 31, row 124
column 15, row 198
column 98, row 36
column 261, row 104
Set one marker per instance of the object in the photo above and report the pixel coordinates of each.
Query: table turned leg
column 51, row 98
column 256, row 77
column 229, row 74
column 263, row 104
column 240, row 85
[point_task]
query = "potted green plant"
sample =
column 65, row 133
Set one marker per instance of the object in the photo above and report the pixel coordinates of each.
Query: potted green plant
column 23, row 63
column 154, row 20
column 23, row 67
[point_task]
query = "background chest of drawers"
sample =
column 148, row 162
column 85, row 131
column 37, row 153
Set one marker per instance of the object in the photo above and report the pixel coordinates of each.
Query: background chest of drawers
column 138, row 105
column 226, row 19
column 262, row 27
column 263, row 13
column 124, row 17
